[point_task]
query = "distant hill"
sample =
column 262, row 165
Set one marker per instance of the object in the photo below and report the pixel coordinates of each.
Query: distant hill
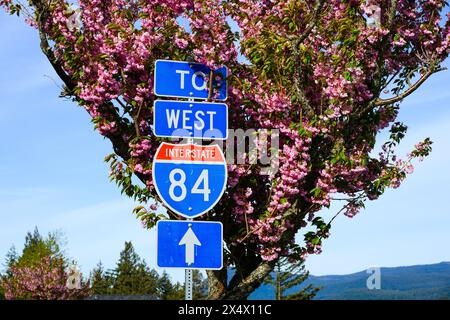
column 430, row 282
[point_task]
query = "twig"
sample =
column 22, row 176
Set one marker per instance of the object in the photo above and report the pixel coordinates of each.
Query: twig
column 211, row 74
column 414, row 87
column 312, row 23
column 136, row 121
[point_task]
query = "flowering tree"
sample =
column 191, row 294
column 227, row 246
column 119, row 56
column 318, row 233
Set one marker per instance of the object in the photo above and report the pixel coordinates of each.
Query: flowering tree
column 329, row 75
column 46, row 280
column 41, row 272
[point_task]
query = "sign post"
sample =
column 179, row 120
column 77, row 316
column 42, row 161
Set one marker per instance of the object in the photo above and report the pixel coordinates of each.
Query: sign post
column 190, row 179
column 188, row 276
column 188, row 284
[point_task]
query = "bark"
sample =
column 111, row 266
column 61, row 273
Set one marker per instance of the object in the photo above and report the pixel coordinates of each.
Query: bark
column 245, row 287
column 217, row 283
column 219, row 290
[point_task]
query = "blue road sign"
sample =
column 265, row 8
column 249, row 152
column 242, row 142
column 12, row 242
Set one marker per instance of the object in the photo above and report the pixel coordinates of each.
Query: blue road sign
column 179, row 119
column 189, row 244
column 190, row 179
column 187, row 80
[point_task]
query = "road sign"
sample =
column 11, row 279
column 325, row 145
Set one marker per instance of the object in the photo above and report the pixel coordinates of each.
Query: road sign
column 187, row 80
column 179, row 119
column 190, row 179
column 189, row 244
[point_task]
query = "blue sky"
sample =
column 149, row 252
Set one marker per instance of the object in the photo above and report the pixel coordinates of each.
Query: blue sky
column 52, row 175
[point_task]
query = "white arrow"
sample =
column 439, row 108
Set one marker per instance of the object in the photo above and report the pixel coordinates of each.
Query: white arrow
column 190, row 240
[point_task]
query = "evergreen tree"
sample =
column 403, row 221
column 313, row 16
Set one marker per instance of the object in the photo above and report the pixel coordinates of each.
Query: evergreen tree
column 131, row 275
column 101, row 282
column 169, row 291
column 125, row 281
column 200, row 290
column 10, row 260
column 36, row 248
column 290, row 275
column 177, row 292
column 149, row 279
column 165, row 287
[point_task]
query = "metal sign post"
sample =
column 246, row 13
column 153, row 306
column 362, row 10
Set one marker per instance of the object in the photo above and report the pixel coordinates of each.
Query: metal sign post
column 188, row 282
column 190, row 178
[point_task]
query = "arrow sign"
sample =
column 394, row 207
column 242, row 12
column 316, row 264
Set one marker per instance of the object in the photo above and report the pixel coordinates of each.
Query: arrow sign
column 189, row 244
column 190, row 240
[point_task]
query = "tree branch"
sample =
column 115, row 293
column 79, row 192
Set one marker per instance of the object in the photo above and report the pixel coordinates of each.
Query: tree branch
column 410, row 90
column 295, row 48
column 42, row 16
column 250, row 283
column 315, row 18
column 217, row 283
column 391, row 16
column 378, row 75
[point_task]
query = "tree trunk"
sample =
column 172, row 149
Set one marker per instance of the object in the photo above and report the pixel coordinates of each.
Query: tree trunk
column 217, row 283
column 219, row 289
column 278, row 284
